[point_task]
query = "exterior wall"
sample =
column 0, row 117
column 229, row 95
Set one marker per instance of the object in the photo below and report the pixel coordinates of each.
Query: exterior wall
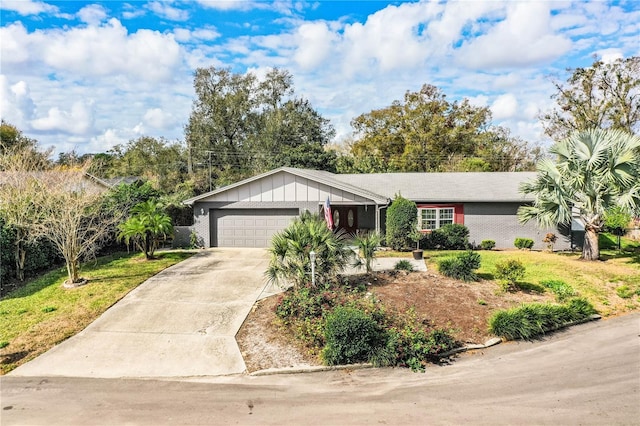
column 201, row 212
column 499, row 222
column 181, row 236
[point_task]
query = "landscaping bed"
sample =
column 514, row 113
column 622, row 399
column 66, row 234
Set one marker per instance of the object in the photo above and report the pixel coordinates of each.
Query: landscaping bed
column 439, row 302
column 464, row 308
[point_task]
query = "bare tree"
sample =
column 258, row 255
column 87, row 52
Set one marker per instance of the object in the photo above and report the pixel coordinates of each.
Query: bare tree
column 71, row 216
column 19, row 191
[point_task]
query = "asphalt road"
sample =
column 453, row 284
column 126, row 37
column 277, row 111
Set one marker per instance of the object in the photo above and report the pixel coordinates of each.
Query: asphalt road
column 589, row 374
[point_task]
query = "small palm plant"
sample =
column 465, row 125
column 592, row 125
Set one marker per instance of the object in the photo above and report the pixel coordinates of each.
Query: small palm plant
column 145, row 228
column 290, row 252
column 367, row 243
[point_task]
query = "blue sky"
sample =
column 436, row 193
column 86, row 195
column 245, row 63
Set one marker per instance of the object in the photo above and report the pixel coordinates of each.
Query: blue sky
column 90, row 75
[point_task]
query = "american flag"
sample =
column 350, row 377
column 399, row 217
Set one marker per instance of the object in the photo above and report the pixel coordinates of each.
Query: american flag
column 327, row 214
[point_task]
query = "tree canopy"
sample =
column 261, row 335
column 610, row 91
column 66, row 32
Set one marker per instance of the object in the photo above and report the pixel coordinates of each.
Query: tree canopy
column 426, row 132
column 604, row 95
column 242, row 125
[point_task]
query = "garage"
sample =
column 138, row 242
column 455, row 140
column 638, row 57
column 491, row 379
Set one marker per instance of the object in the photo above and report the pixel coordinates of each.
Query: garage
column 248, row 227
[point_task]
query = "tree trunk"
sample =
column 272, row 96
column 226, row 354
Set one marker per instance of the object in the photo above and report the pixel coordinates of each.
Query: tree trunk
column 590, row 248
column 21, row 254
column 72, row 271
column 147, row 247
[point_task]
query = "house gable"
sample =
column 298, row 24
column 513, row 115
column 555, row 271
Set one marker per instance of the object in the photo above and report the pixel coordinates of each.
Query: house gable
column 283, row 187
column 290, row 185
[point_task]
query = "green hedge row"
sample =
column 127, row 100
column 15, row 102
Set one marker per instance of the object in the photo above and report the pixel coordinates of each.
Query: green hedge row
column 40, row 256
column 534, row 319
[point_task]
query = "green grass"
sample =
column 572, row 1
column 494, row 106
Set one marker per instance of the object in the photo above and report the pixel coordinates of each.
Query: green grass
column 596, row 281
column 41, row 314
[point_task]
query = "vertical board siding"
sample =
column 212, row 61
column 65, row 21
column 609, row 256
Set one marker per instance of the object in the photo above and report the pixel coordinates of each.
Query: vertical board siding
column 289, row 187
column 278, row 187
column 255, row 191
column 301, row 189
column 266, row 186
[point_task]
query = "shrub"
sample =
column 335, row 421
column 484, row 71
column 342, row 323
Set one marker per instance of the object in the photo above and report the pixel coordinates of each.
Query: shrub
column 533, row 319
column 523, row 243
column 305, row 302
column 410, row 343
column 402, row 220
column 625, row 292
column 367, row 244
column 403, row 265
column 562, row 290
column 487, row 244
column 450, row 237
column 40, row 255
column 415, row 346
column 456, row 236
column 508, row 272
column 4, row 344
column 351, row 336
column 461, row 266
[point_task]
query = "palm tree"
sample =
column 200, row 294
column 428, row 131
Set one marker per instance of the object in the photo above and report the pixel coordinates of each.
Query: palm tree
column 146, row 226
column 367, row 243
column 290, row 252
column 594, row 171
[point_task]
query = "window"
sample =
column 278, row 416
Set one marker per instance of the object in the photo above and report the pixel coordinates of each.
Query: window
column 434, row 218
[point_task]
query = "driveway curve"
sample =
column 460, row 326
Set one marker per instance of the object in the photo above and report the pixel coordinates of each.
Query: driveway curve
column 180, row 323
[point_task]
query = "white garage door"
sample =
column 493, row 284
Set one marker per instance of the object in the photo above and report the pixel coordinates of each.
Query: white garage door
column 248, row 228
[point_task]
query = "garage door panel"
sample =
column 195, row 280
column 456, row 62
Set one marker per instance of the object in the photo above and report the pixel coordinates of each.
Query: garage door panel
column 248, row 228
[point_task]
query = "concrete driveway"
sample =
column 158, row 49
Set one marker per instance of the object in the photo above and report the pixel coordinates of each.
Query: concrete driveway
column 180, row 323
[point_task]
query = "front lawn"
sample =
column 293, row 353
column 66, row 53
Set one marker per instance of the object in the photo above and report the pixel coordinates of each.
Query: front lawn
column 42, row 314
column 597, row 281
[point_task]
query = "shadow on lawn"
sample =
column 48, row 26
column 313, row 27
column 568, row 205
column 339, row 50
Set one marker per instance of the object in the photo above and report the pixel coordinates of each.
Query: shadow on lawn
column 530, row 288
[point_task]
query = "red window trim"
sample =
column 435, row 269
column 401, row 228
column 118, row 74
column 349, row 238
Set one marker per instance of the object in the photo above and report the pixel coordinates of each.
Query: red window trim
column 458, row 210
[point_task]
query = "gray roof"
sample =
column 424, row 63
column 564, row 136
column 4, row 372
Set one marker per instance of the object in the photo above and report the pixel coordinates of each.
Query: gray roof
column 127, row 180
column 445, row 187
column 421, row 187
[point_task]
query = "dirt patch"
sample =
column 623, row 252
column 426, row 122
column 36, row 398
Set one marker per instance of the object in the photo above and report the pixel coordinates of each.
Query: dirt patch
column 463, row 308
column 264, row 344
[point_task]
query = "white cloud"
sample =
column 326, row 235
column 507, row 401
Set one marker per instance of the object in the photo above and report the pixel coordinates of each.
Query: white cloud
column 479, row 100
column 228, row 4
column 13, row 40
column 106, row 140
column 184, row 35
column 157, row 118
column 130, row 11
column 165, row 10
column 105, row 50
column 78, row 120
column 16, row 106
column 610, row 55
column 92, row 14
column 523, row 38
column 314, row 43
column 28, row 7
column 505, row 106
